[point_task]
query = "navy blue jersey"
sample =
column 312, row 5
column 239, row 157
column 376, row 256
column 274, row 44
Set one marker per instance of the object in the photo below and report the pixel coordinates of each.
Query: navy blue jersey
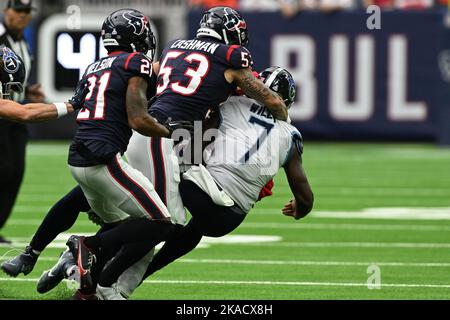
column 103, row 129
column 191, row 78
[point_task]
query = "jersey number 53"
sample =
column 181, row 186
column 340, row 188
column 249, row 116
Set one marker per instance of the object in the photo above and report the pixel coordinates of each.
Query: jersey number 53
column 195, row 74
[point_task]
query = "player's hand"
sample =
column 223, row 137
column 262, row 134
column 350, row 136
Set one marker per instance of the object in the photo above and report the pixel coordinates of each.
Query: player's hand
column 81, row 91
column 290, row 210
column 176, row 125
column 94, row 218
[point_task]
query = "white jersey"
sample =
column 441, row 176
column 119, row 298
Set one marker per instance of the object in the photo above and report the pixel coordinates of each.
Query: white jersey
column 250, row 148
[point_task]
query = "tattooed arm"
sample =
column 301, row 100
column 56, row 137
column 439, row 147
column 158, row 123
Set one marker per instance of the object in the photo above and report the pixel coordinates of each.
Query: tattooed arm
column 257, row 90
column 138, row 117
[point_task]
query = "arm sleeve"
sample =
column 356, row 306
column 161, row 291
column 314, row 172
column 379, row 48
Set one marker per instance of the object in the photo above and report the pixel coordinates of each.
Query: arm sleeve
column 239, row 57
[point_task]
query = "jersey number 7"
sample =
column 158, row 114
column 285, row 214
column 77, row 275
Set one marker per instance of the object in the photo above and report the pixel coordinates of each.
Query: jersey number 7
column 268, row 127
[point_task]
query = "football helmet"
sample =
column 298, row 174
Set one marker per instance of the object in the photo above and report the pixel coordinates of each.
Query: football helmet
column 128, row 30
column 282, row 82
column 12, row 73
column 224, row 24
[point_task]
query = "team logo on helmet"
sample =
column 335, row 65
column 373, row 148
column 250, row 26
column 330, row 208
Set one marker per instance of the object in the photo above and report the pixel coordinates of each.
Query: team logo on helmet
column 10, row 60
column 137, row 21
column 233, row 22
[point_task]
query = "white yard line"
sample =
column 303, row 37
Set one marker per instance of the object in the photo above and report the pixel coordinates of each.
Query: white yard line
column 373, row 213
column 294, row 262
column 412, row 245
column 344, row 226
column 267, row 283
column 273, row 243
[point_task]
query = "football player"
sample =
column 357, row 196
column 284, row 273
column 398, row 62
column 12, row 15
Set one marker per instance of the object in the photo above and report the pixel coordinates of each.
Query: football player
column 116, row 105
column 220, row 196
column 193, row 76
column 12, row 75
column 203, row 75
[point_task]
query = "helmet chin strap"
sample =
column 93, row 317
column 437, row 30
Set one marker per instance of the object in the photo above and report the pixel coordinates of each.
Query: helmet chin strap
column 207, row 32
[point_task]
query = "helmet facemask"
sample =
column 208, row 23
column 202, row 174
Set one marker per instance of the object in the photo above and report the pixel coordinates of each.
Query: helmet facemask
column 280, row 81
column 224, row 24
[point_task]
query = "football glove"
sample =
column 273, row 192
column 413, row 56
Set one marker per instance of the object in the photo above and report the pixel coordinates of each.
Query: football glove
column 81, row 91
column 175, row 125
column 95, row 219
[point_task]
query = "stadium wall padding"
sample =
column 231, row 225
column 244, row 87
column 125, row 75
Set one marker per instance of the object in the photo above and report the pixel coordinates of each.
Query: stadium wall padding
column 354, row 83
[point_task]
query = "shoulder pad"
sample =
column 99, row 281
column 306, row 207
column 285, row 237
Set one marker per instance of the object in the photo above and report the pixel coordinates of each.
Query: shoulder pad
column 138, row 64
column 239, row 57
column 298, row 141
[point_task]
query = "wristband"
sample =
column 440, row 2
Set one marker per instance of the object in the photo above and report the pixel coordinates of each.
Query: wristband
column 61, row 109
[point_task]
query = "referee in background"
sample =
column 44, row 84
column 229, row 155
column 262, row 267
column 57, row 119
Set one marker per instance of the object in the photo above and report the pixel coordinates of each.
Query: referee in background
column 14, row 136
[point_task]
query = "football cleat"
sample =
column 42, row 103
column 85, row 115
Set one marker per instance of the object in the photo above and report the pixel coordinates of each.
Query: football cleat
column 84, row 258
column 109, row 293
column 64, row 268
column 23, row 263
column 78, row 295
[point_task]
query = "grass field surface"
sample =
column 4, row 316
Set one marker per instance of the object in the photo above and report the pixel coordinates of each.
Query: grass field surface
column 380, row 209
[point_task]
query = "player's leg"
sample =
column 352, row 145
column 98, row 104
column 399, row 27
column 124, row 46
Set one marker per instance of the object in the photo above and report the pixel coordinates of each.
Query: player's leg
column 60, row 218
column 157, row 160
column 115, row 192
column 14, row 137
column 66, row 267
column 18, row 137
column 209, row 219
column 6, row 173
column 132, row 277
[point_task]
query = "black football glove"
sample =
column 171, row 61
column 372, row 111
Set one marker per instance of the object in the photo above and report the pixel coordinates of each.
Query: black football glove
column 81, row 91
column 175, row 125
column 94, row 218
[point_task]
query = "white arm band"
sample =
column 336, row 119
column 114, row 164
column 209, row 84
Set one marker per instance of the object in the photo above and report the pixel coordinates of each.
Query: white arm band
column 61, row 108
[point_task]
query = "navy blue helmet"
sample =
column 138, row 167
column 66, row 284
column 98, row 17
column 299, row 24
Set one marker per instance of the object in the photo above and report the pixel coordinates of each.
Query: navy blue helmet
column 224, row 24
column 128, row 30
column 12, row 72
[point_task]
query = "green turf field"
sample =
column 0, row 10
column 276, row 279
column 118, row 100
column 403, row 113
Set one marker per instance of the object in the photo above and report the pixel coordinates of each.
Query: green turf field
column 325, row 256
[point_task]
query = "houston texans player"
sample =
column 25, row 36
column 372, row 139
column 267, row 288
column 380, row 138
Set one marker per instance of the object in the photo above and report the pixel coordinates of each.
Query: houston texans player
column 220, row 195
column 213, row 64
column 194, row 77
column 116, row 105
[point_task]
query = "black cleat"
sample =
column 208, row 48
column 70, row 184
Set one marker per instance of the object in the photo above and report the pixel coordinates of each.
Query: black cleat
column 23, row 263
column 51, row 278
column 78, row 295
column 84, row 258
